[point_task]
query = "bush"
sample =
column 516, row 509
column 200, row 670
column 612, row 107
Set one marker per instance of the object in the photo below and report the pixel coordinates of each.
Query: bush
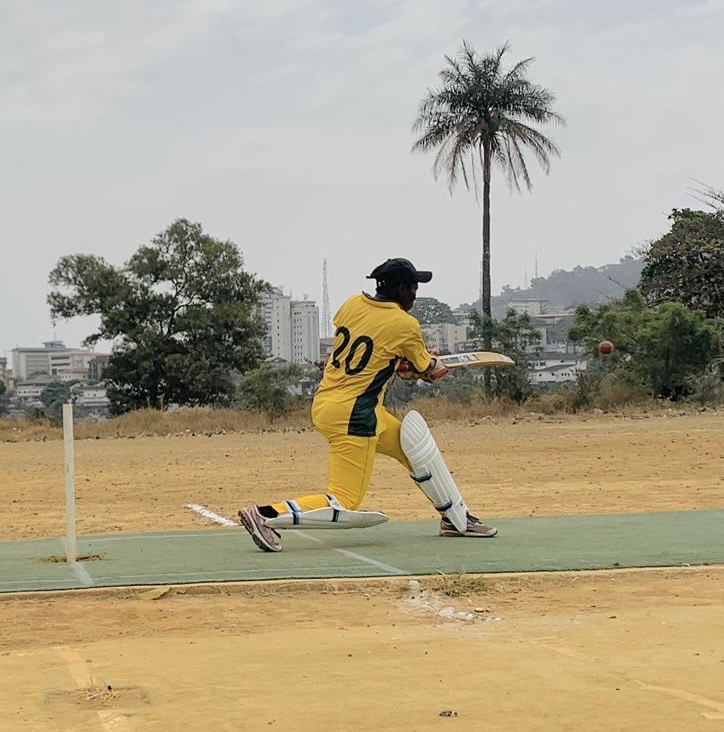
column 459, row 388
column 593, row 389
column 616, row 390
column 707, row 388
column 270, row 390
column 551, row 402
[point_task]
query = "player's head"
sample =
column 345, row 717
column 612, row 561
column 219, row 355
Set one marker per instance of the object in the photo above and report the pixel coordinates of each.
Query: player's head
column 397, row 280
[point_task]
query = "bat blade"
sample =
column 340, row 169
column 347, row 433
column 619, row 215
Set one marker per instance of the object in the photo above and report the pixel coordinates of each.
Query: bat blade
column 475, row 359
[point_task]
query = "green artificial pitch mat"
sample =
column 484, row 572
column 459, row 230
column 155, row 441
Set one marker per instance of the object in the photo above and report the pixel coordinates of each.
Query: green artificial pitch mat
column 682, row 538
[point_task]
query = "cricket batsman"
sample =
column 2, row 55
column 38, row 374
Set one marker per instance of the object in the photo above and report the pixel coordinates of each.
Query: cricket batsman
column 374, row 336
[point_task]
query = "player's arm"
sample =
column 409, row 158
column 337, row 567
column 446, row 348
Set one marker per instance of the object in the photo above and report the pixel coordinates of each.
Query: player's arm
column 418, row 362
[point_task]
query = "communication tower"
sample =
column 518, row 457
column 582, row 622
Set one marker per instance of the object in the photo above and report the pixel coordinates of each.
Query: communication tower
column 326, row 330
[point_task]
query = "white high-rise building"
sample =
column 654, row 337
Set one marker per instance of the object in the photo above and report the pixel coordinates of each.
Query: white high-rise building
column 305, row 331
column 276, row 313
column 292, row 328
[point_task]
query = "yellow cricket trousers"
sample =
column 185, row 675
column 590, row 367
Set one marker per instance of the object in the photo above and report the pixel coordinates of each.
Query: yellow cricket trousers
column 351, row 460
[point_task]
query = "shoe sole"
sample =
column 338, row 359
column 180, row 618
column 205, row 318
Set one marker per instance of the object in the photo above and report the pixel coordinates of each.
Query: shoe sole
column 249, row 525
column 470, row 535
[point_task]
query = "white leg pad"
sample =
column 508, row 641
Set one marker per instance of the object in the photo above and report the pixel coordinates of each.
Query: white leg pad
column 329, row 517
column 430, row 472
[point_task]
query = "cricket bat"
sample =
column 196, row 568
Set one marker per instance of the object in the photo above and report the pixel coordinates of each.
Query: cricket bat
column 475, row 359
column 467, row 360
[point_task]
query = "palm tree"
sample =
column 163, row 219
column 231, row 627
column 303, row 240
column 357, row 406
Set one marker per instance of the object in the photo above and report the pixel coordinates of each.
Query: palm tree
column 481, row 115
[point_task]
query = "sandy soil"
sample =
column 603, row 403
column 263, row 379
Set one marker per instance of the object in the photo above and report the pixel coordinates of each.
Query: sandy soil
column 625, row 650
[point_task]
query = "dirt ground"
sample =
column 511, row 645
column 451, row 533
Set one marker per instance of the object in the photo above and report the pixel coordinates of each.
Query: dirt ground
column 623, row 650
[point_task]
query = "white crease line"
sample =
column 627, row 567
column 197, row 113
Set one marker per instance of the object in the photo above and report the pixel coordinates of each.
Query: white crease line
column 352, row 555
column 359, row 557
column 211, row 515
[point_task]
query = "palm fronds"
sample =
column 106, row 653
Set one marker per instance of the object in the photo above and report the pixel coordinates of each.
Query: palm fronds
column 481, row 115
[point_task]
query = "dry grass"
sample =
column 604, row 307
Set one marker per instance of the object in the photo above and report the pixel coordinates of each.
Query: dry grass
column 146, row 422
column 460, row 585
column 455, row 411
column 98, row 696
column 208, row 421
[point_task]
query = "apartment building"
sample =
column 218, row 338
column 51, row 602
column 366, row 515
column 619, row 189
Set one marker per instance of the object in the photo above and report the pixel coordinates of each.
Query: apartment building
column 32, row 388
column 305, row 331
column 292, row 328
column 444, row 337
column 55, row 359
column 275, row 309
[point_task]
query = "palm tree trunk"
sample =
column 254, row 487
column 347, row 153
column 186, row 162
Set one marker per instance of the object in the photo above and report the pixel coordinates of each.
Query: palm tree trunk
column 486, row 232
column 486, row 299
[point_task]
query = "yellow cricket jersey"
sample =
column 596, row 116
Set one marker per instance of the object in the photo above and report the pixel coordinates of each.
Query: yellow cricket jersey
column 370, row 338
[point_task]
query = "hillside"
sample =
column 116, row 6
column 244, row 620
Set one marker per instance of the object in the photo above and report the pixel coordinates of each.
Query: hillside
column 568, row 288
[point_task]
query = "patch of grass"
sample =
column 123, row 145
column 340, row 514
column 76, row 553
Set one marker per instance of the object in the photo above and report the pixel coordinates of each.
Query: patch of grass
column 461, row 585
column 98, row 696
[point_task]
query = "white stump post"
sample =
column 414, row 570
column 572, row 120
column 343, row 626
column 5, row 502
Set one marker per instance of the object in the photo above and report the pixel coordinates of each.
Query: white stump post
column 71, row 552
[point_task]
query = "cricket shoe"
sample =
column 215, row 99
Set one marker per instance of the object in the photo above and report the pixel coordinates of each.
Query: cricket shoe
column 264, row 537
column 476, row 528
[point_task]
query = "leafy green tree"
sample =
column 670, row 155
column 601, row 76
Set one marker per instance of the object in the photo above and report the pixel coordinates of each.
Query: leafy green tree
column 660, row 348
column 619, row 321
column 430, row 310
column 182, row 313
column 686, row 264
column 53, row 396
column 708, row 386
column 515, row 337
column 270, row 389
column 481, row 115
column 675, row 345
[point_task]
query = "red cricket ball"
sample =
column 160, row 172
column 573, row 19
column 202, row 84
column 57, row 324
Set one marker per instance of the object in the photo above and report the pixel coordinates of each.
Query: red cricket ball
column 605, row 347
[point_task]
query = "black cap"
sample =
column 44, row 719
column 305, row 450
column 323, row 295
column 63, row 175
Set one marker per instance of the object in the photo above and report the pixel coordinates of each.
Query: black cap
column 399, row 269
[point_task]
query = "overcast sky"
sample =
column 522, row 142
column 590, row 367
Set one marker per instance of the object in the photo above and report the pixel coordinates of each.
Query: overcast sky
column 284, row 126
